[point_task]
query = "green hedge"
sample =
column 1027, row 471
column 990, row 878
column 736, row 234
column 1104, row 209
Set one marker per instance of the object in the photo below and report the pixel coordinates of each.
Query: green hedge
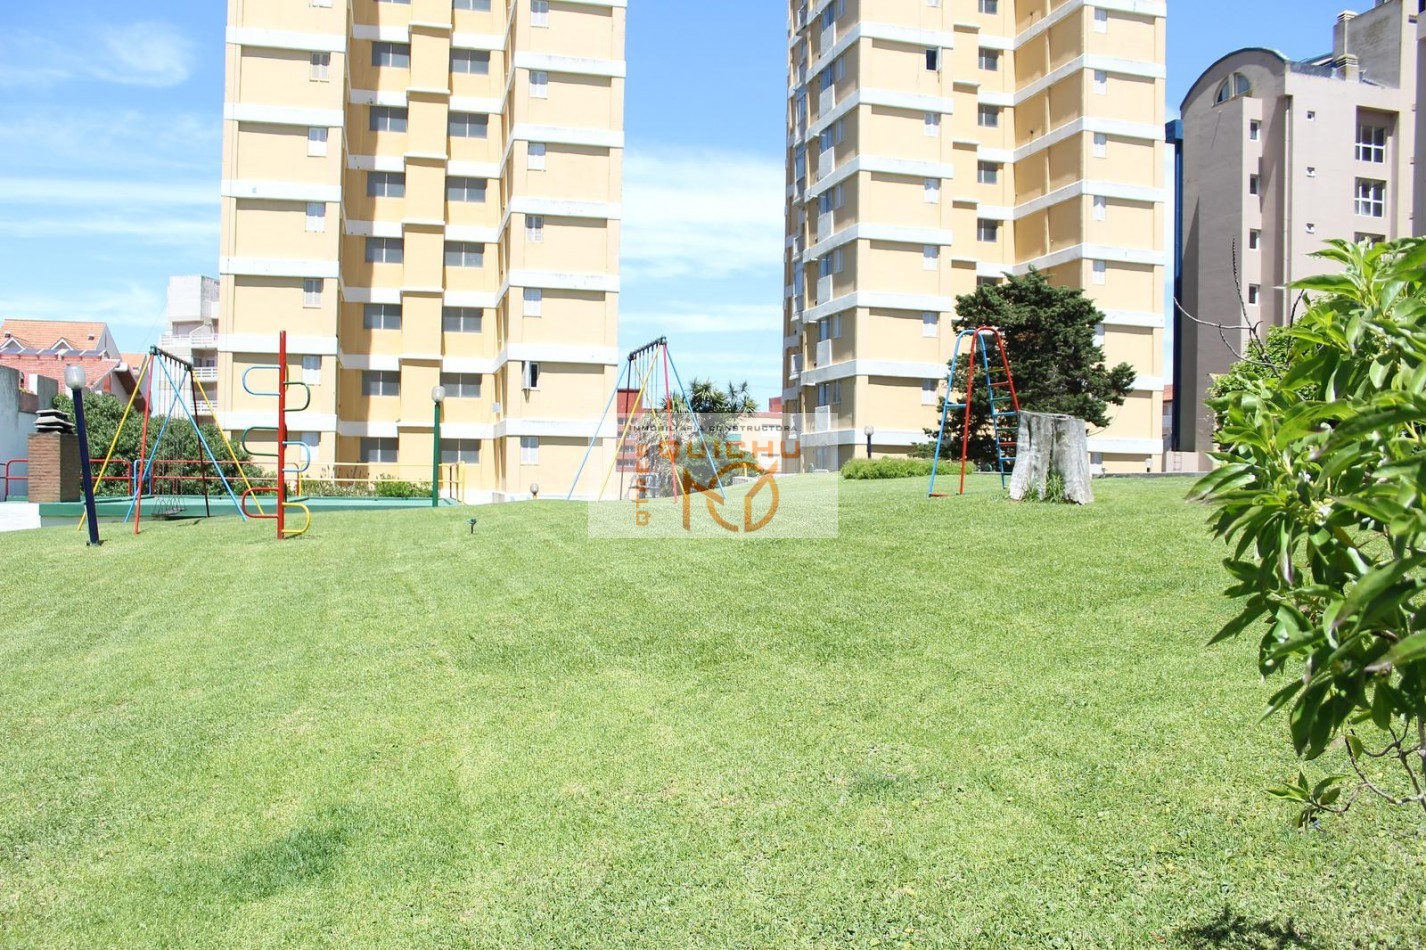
column 865, row 469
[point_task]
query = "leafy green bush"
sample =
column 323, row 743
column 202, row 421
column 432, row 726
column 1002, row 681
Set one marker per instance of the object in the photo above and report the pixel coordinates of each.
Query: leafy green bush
column 1321, row 491
column 869, row 469
column 388, row 487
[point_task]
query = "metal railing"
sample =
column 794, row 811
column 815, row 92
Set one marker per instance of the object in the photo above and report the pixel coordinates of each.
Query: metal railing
column 198, row 339
column 125, row 475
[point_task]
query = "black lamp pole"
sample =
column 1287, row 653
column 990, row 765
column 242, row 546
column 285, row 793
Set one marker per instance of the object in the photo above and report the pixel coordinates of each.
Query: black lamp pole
column 74, row 378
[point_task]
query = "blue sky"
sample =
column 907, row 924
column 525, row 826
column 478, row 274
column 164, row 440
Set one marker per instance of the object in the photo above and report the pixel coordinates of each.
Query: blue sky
column 111, row 142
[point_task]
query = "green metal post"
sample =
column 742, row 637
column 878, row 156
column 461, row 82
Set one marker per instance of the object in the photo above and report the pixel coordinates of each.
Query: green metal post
column 436, row 462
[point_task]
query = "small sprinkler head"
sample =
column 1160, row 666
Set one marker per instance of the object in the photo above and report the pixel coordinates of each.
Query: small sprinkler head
column 472, row 523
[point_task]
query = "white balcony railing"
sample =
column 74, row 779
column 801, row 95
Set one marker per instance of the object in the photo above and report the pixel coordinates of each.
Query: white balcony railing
column 197, row 340
column 824, row 353
column 205, row 374
column 822, row 419
column 794, row 368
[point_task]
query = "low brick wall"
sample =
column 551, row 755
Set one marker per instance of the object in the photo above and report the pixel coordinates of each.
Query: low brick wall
column 54, row 468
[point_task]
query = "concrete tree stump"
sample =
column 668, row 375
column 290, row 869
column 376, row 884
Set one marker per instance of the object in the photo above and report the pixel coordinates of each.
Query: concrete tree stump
column 1051, row 444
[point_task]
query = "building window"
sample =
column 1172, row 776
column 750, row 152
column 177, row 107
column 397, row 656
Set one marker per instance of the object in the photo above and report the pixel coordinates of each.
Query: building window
column 468, row 125
column 987, row 231
column 312, row 292
column 539, row 84
column 931, row 193
column 388, row 119
column 529, row 450
column 988, row 117
column 321, row 67
column 378, row 451
column 462, row 319
column 539, row 12
column 930, row 323
column 535, row 156
column 1100, row 272
column 312, row 370
column 1370, row 240
column 395, row 55
column 470, row 190
column 988, row 173
column 930, row 257
column 531, row 378
column 1255, row 239
column 989, row 6
column 381, row 382
column 929, row 388
column 932, row 125
column 479, row 6
column 317, row 143
column 1254, row 291
column 1371, row 198
column 386, row 184
column 1101, row 145
column 1255, row 130
column 454, row 451
column 933, row 59
column 1233, row 87
column 470, row 62
column 1101, row 20
column 461, row 385
column 316, row 216
column 990, row 60
column 1101, row 83
column 465, row 254
column 1101, row 208
column 385, row 250
column 1371, row 144
column 1255, row 185
column 534, row 228
column 381, row 316
column 534, row 302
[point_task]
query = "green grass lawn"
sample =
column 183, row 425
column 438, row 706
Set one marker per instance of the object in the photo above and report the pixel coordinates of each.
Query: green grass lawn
column 961, row 723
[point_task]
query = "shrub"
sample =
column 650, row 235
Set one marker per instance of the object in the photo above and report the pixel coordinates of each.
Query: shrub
column 869, row 469
column 388, row 487
column 1321, row 492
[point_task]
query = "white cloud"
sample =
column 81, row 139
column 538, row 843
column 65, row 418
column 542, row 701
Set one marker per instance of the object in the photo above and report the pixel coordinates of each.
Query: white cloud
column 717, row 319
column 128, row 304
column 162, row 231
column 702, row 214
column 53, row 191
column 148, row 54
column 44, row 142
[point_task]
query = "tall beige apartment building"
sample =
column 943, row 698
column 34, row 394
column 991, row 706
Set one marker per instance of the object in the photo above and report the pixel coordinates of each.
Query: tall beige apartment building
column 936, row 144
column 1420, row 216
column 1279, row 156
column 427, row 193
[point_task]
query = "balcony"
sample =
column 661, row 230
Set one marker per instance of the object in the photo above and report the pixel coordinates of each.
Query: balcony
column 794, row 368
column 205, row 374
column 822, row 419
column 824, row 353
column 197, row 340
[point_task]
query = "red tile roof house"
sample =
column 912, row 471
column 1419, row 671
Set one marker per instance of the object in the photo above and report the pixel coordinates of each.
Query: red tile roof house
column 44, row 348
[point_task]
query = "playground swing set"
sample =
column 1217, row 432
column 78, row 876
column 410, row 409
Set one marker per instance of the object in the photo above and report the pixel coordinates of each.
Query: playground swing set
column 1000, row 390
column 162, row 484
column 659, row 421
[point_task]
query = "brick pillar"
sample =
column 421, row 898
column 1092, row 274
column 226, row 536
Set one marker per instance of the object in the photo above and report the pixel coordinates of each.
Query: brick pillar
column 54, row 468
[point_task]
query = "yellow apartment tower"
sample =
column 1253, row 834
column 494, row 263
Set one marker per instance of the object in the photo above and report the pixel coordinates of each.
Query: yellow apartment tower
column 935, row 144
column 423, row 194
